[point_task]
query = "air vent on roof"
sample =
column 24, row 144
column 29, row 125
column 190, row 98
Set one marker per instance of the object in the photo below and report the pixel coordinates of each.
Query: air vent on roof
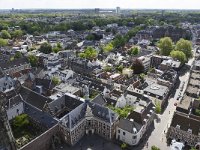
column 178, row 126
column 190, row 131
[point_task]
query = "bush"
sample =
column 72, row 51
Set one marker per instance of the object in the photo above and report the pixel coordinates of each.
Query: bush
column 123, row 146
column 55, row 80
column 155, row 148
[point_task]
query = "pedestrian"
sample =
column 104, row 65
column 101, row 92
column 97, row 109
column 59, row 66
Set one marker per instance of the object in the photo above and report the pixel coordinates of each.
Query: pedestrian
column 164, row 131
column 169, row 112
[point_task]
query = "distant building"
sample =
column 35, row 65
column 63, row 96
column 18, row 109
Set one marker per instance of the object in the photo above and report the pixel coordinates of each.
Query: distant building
column 118, row 11
column 97, row 10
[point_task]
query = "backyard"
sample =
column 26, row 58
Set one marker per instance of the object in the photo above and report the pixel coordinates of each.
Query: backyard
column 24, row 130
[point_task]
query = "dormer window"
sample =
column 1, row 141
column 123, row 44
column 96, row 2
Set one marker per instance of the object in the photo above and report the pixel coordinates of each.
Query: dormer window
column 178, row 126
column 190, row 131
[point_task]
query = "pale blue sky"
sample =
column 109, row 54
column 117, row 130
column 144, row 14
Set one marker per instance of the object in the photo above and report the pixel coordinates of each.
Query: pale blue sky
column 151, row 4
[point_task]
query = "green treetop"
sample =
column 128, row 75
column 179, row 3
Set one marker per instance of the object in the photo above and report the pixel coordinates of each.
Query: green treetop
column 185, row 46
column 89, row 53
column 178, row 55
column 166, row 46
column 5, row 34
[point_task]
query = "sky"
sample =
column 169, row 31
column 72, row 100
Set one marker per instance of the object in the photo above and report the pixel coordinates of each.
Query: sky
column 134, row 4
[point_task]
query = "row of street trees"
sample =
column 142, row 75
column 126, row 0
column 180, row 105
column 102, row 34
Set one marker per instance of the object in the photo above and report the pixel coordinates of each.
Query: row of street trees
column 181, row 51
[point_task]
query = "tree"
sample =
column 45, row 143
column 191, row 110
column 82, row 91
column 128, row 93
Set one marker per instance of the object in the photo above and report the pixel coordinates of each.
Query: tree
column 134, row 51
column 120, row 68
column 57, row 48
column 5, row 34
column 158, row 107
column 107, row 68
column 123, row 146
column 109, row 47
column 90, row 37
column 3, row 42
column 33, row 60
column 17, row 55
column 89, row 53
column 138, row 66
column 185, row 46
column 45, row 48
column 21, row 121
column 166, row 45
column 154, row 148
column 178, row 55
column 17, row 34
column 55, row 80
column 119, row 41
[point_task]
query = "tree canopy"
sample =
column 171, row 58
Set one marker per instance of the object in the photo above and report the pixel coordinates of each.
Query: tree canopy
column 5, row 34
column 158, row 108
column 119, row 41
column 179, row 55
column 55, row 80
column 166, row 46
column 3, row 42
column 109, row 47
column 33, row 60
column 154, row 148
column 185, row 46
column 21, row 121
column 57, row 48
column 89, row 53
column 17, row 55
column 134, row 51
column 17, row 34
column 45, row 48
column 138, row 66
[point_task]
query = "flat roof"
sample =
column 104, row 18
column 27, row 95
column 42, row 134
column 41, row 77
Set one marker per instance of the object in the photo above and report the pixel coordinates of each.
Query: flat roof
column 185, row 102
column 66, row 88
column 156, row 89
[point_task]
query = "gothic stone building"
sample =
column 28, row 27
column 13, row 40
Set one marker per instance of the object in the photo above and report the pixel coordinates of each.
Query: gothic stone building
column 88, row 118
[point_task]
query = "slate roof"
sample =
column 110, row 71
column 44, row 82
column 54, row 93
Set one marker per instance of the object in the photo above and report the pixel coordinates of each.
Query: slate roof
column 46, row 83
column 128, row 125
column 99, row 100
column 11, row 64
column 65, row 101
column 43, row 118
column 6, row 83
column 88, row 109
column 33, row 98
column 13, row 101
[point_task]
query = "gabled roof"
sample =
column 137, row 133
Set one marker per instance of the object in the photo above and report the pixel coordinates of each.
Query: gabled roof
column 99, row 100
column 46, row 83
column 15, row 62
column 33, row 98
column 39, row 116
column 129, row 126
column 88, row 109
